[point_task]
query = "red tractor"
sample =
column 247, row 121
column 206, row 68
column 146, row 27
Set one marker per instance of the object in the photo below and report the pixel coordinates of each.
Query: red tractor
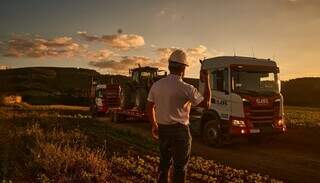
column 127, row 100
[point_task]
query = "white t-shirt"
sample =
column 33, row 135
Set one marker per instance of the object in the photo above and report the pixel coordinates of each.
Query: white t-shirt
column 173, row 99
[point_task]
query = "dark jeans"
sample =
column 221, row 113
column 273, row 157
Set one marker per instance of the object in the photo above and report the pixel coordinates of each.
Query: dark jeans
column 175, row 147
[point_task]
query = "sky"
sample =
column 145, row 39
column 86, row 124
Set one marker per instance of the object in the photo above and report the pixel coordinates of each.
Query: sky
column 114, row 36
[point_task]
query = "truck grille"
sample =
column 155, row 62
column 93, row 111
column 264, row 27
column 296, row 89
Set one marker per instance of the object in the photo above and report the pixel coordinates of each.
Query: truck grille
column 261, row 117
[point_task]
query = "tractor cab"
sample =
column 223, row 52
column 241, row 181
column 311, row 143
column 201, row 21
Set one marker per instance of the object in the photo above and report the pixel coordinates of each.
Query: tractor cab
column 134, row 92
column 142, row 74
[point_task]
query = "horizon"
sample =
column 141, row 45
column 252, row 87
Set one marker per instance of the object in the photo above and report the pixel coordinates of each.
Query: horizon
column 112, row 37
column 115, row 74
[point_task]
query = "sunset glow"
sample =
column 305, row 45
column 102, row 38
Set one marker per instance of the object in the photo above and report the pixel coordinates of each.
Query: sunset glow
column 113, row 36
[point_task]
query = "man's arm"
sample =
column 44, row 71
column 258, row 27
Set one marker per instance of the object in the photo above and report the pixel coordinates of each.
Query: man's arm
column 152, row 119
column 204, row 77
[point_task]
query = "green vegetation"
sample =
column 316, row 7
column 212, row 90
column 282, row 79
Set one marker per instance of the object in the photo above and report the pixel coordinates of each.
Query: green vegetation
column 302, row 116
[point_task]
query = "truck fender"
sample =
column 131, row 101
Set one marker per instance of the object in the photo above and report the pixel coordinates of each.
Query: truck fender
column 207, row 116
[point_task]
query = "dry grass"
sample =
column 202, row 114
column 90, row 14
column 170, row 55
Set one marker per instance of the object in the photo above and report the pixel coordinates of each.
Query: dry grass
column 70, row 164
column 302, row 116
column 27, row 106
column 58, row 107
column 53, row 156
column 50, row 149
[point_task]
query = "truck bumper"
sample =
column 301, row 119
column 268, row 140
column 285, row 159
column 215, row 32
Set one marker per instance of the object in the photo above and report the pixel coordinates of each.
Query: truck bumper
column 242, row 131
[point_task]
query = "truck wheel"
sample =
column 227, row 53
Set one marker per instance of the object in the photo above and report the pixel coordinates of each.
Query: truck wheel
column 141, row 99
column 126, row 97
column 211, row 134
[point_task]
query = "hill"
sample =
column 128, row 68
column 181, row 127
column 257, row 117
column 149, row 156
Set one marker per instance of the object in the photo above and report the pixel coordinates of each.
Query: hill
column 50, row 85
column 302, row 92
column 70, row 86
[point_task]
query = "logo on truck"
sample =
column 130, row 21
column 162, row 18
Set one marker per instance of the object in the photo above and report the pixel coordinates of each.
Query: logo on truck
column 262, row 101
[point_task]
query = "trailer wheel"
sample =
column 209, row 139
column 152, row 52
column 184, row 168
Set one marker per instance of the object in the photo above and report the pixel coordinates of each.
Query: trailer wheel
column 211, row 134
column 92, row 111
column 141, row 99
column 126, row 97
column 117, row 118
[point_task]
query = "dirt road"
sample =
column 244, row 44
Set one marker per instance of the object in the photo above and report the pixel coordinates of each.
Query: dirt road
column 293, row 157
column 285, row 157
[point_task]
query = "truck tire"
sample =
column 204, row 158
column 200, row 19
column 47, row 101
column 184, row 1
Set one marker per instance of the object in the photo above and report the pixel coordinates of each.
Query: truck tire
column 126, row 97
column 211, row 134
column 141, row 99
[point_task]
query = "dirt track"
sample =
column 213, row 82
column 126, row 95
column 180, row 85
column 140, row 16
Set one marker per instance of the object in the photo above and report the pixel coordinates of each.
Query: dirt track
column 293, row 157
column 285, row 157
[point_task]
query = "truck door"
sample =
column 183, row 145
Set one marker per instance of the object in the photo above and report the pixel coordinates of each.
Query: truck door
column 220, row 92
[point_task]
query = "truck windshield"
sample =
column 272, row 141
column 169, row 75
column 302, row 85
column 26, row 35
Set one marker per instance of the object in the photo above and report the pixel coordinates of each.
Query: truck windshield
column 255, row 82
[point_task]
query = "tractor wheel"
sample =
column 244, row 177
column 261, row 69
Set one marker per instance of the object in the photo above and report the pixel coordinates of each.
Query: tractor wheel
column 92, row 110
column 126, row 97
column 211, row 134
column 141, row 99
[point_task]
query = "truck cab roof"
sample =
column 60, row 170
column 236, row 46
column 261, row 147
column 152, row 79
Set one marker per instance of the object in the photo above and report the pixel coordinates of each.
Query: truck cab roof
column 227, row 61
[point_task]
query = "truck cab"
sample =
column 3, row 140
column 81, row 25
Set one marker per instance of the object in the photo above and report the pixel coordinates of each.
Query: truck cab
column 246, row 99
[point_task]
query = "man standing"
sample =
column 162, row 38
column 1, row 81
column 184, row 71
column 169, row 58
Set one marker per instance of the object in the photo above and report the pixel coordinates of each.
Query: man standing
column 169, row 104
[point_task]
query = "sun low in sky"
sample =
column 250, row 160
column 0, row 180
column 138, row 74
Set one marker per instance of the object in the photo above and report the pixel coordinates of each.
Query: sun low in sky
column 113, row 36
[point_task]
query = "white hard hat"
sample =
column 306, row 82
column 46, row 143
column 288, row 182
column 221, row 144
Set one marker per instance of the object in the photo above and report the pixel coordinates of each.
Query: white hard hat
column 179, row 56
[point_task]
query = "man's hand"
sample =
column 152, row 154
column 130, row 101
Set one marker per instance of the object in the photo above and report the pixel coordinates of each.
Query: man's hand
column 204, row 76
column 154, row 132
column 152, row 119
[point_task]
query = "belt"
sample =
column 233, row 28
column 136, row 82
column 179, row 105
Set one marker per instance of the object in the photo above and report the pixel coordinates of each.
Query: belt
column 172, row 125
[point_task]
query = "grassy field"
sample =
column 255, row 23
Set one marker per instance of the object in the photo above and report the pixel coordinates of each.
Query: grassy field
column 64, row 144
column 302, row 116
column 48, row 148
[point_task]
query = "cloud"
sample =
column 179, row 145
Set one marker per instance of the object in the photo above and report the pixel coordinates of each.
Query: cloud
column 170, row 13
column 90, row 38
column 122, row 65
column 161, row 12
column 28, row 46
column 118, row 41
column 193, row 54
column 197, row 51
column 124, row 41
column 100, row 54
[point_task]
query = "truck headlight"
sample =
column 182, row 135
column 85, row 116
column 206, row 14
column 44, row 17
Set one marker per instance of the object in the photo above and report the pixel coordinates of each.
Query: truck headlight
column 280, row 122
column 239, row 123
